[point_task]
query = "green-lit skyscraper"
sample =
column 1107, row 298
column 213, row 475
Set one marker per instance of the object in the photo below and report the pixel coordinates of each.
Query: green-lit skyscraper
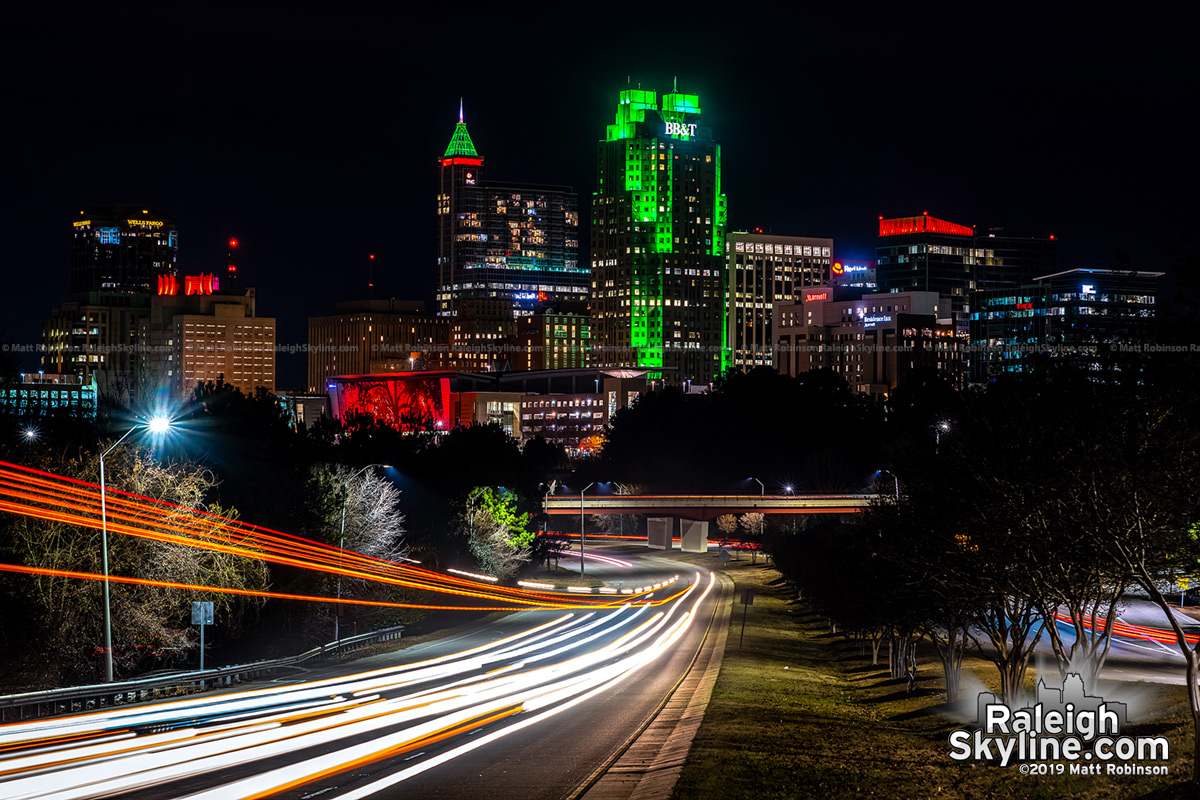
column 658, row 241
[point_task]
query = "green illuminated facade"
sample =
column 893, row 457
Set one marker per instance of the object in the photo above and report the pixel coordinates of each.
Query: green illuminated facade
column 658, row 241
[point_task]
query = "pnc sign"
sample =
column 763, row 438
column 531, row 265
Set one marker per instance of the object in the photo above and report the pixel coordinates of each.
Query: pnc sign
column 681, row 129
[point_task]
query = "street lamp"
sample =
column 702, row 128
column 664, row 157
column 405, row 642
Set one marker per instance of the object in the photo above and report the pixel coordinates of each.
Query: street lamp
column 156, row 425
column 337, row 615
column 30, row 434
column 762, row 518
column 938, row 430
column 895, row 480
column 581, row 519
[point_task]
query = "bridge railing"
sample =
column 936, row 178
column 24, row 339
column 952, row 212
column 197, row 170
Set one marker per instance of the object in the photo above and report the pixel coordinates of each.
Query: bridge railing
column 51, row 702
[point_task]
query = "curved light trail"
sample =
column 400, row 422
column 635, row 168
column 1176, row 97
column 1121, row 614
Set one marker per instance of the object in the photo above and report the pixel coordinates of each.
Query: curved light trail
column 43, row 495
column 399, row 721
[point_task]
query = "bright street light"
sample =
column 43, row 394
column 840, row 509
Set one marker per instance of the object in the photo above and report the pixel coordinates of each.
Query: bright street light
column 156, row 425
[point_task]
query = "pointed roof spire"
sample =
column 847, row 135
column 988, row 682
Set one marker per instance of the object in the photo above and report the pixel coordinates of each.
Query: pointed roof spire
column 460, row 142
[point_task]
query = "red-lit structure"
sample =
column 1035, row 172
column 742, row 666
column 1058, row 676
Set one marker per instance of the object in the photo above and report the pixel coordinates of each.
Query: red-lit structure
column 921, row 224
column 192, row 284
column 405, row 401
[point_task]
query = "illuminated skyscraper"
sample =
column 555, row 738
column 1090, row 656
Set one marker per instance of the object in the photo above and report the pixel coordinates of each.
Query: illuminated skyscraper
column 121, row 249
column 504, row 249
column 658, row 241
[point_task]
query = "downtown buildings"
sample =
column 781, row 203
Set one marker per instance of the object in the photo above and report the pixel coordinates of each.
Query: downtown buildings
column 658, row 241
column 137, row 328
column 503, row 250
column 763, row 270
column 932, row 255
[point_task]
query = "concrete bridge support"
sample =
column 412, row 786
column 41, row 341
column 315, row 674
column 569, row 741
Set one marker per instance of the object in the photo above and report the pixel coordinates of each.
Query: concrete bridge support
column 693, row 535
column 659, row 532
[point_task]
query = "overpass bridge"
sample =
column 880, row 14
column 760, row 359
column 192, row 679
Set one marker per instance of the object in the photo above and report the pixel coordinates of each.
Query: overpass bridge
column 695, row 511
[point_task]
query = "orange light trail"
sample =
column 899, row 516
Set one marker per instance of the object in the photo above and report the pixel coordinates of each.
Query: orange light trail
column 42, row 495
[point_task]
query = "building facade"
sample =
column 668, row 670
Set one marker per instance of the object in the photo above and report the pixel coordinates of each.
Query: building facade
column 516, row 244
column 764, row 269
column 658, row 241
column 568, row 407
column 932, row 255
column 874, row 341
column 41, row 396
column 1077, row 316
column 190, row 339
column 95, row 332
column 365, row 332
column 555, row 337
column 118, row 249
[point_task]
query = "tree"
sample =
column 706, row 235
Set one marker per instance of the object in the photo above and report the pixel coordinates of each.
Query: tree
column 727, row 524
column 498, row 536
column 149, row 623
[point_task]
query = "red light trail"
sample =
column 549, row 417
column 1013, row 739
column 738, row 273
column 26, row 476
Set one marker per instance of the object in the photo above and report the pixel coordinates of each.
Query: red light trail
column 43, row 495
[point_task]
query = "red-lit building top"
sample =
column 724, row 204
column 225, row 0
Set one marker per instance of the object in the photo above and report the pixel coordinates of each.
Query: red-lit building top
column 922, row 224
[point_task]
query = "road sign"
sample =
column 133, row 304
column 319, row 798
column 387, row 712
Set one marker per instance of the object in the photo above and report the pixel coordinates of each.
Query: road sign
column 724, row 556
column 1183, row 584
column 202, row 613
column 747, row 597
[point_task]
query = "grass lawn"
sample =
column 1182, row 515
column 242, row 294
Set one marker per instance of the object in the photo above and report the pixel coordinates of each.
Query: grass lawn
column 800, row 712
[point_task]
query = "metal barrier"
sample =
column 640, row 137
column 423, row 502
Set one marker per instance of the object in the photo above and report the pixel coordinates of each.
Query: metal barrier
column 51, row 702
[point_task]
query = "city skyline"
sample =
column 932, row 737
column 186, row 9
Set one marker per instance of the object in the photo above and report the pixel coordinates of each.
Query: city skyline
column 304, row 171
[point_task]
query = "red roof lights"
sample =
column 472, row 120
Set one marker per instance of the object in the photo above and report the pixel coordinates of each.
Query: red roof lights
column 922, row 224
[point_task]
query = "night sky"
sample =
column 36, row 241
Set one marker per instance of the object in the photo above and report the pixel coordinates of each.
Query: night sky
column 311, row 132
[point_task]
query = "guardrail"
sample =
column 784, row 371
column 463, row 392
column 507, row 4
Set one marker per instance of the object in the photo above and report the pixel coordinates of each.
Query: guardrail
column 51, row 702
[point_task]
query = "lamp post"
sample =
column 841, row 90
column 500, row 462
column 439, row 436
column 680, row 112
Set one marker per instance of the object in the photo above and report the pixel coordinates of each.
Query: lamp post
column 762, row 492
column 337, row 614
column 155, row 425
column 896, row 481
column 581, row 519
column 938, row 430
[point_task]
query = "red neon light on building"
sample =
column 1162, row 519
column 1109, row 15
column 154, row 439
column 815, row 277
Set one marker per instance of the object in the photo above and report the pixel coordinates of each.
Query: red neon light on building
column 808, row 298
column 167, row 285
column 470, row 162
column 201, row 284
column 1024, row 306
column 922, row 224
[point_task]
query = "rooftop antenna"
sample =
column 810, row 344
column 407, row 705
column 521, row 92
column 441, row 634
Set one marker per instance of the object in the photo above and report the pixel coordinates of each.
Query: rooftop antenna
column 675, row 84
column 460, row 110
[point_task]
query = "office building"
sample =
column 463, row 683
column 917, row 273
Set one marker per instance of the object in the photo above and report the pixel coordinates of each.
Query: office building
column 932, row 255
column 516, row 244
column 364, row 332
column 854, row 275
column 874, row 341
column 94, row 332
column 764, row 269
column 1083, row 317
column 121, row 249
column 554, row 337
column 204, row 335
column 36, row 396
column 658, row 241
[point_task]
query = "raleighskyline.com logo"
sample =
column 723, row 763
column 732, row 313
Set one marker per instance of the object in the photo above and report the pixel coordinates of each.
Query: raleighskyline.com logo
column 1066, row 731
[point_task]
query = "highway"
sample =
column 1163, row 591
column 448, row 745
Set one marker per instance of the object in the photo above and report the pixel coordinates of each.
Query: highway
column 526, row 707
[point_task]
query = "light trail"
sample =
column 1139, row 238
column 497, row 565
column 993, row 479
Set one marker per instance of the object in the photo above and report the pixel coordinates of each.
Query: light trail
column 42, row 495
column 432, row 709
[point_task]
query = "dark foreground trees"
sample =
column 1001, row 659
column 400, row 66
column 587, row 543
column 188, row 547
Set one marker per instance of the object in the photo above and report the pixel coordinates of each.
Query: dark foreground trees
column 1043, row 502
